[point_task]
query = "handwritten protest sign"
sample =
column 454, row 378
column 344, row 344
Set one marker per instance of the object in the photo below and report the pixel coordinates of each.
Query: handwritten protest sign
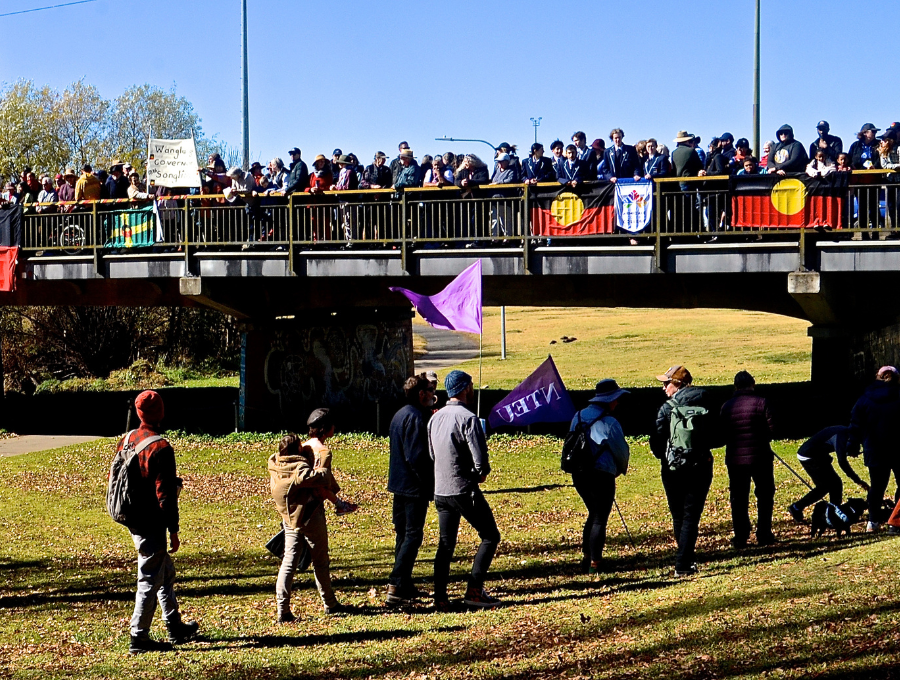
column 172, row 163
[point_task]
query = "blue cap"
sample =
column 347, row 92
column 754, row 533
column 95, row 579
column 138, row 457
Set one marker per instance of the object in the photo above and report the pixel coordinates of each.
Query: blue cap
column 456, row 382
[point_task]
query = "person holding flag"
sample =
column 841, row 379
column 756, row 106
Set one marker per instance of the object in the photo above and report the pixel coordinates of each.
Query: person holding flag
column 597, row 484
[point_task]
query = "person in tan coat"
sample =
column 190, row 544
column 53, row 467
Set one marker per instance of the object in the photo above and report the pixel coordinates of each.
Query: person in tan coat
column 299, row 487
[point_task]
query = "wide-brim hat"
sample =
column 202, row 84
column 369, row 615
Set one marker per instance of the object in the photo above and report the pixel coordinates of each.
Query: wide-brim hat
column 380, row 154
column 320, row 157
column 869, row 126
column 607, row 392
column 345, row 160
column 683, row 136
column 503, row 157
column 406, row 153
column 70, row 172
column 116, row 164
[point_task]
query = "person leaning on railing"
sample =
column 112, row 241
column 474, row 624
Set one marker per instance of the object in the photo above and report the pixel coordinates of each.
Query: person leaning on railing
column 537, row 167
column 88, row 187
column 47, row 195
column 135, row 189
column 788, row 154
column 407, row 175
column 573, row 171
column 377, row 175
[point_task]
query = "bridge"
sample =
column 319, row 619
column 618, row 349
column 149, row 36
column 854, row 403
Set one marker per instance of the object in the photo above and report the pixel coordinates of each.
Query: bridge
column 308, row 275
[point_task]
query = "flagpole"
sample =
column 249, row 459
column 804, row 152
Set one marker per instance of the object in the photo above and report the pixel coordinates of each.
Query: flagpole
column 480, row 360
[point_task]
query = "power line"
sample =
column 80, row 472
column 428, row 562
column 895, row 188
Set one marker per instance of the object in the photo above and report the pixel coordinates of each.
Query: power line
column 38, row 9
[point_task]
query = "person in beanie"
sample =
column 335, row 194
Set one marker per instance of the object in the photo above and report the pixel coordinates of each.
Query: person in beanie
column 686, row 484
column 411, row 480
column 156, row 497
column 597, row 484
column 458, row 448
column 296, row 482
column 747, row 424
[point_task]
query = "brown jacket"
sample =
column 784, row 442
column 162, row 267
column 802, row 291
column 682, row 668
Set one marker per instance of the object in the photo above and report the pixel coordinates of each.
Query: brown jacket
column 293, row 480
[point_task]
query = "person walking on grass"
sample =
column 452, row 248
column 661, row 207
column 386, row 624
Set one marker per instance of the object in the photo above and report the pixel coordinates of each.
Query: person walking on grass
column 411, row 481
column 685, row 433
column 298, row 486
column 748, row 428
column 458, row 448
column 815, row 457
column 155, row 502
column 597, row 484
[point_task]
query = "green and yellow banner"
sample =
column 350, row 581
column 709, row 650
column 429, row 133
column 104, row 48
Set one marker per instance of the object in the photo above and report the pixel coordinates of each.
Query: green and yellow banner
column 130, row 228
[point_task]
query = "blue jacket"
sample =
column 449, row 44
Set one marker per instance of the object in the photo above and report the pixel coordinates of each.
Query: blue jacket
column 607, row 440
column 578, row 172
column 541, row 169
column 411, row 470
column 657, row 166
column 875, row 422
column 626, row 164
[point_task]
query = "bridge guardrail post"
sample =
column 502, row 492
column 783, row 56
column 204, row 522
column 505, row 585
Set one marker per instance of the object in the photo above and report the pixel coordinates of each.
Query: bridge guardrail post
column 526, row 228
column 94, row 241
column 404, row 254
column 291, row 235
column 657, row 218
column 186, row 238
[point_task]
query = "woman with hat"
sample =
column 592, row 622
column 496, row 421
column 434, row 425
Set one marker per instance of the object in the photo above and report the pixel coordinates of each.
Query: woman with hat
column 597, row 484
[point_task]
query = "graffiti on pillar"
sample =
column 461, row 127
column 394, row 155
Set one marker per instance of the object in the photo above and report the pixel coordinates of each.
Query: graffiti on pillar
column 338, row 365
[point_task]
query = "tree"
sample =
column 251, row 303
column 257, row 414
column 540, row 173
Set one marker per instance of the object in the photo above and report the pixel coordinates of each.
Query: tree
column 82, row 123
column 29, row 132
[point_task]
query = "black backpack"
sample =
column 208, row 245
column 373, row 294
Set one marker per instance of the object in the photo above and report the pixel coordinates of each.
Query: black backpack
column 578, row 451
column 120, row 500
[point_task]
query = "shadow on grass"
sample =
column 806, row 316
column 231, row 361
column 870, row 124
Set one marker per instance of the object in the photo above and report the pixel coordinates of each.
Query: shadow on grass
column 527, row 489
column 276, row 641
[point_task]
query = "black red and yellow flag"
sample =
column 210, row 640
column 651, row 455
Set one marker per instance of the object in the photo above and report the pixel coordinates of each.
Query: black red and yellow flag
column 794, row 201
column 581, row 211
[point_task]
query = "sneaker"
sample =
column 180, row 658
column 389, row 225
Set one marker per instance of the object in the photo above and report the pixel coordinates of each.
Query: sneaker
column 690, row 571
column 336, row 608
column 766, row 539
column 739, row 543
column 414, row 593
column 872, row 527
column 478, row 597
column 892, row 530
column 180, row 632
column 144, row 644
column 343, row 507
column 796, row 513
column 442, row 606
column 396, row 597
column 286, row 617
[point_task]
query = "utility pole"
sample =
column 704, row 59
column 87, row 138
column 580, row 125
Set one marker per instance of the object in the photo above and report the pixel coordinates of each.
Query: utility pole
column 245, row 87
column 536, row 122
column 757, row 149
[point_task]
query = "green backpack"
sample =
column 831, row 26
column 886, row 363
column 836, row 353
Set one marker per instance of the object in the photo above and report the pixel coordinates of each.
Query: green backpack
column 684, row 438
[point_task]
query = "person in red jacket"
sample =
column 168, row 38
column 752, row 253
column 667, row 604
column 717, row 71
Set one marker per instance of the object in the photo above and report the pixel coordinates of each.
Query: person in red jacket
column 747, row 426
column 156, row 496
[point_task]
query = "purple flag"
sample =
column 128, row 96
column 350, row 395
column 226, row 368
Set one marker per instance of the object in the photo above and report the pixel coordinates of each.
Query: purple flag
column 540, row 398
column 457, row 307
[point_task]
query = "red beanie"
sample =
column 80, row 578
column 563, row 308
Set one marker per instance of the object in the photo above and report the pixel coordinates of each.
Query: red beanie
column 149, row 407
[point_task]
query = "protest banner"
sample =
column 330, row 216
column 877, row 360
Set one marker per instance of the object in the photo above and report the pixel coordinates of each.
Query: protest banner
column 172, row 163
column 540, row 398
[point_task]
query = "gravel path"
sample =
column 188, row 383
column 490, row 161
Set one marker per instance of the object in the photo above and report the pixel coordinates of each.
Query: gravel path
column 445, row 348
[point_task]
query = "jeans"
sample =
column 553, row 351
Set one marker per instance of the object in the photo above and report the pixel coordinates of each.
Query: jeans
column 156, row 580
column 409, row 525
column 826, row 482
column 686, row 491
column 762, row 474
column 879, row 476
column 315, row 533
column 475, row 509
column 598, row 491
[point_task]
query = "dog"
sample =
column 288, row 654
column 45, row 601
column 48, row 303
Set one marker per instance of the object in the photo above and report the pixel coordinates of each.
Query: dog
column 841, row 518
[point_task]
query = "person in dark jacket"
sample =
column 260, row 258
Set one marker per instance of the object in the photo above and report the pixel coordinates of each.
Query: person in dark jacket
column 377, row 175
column 397, row 164
column 573, row 171
column 788, row 154
column 537, row 167
column 687, row 485
column 686, row 161
column 622, row 160
column 411, row 480
column 747, row 425
column 471, row 174
column 864, row 156
column 875, row 423
column 298, row 177
column 656, row 165
column 117, row 183
column 156, row 496
column 815, row 457
column 833, row 146
column 597, row 485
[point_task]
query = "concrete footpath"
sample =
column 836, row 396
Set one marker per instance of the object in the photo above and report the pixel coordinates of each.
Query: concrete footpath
column 30, row 443
column 444, row 348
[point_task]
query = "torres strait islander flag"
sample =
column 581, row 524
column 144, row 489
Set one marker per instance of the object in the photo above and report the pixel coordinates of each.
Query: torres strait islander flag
column 581, row 211
column 794, row 201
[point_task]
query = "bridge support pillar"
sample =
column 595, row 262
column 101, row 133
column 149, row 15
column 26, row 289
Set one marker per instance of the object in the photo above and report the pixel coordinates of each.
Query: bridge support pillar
column 352, row 361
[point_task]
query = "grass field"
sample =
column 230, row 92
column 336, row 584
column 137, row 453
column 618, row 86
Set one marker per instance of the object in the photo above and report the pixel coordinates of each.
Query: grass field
column 825, row 608
column 633, row 345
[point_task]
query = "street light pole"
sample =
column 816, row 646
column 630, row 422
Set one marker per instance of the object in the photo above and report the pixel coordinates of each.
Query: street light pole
column 757, row 149
column 245, row 87
column 457, row 139
column 537, row 123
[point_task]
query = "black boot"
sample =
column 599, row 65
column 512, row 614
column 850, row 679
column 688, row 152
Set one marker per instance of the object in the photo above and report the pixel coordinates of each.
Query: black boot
column 179, row 632
column 142, row 644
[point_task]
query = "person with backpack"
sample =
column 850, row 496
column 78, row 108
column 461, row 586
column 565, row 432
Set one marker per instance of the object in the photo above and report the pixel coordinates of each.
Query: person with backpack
column 685, row 433
column 748, row 428
column 143, row 495
column 601, row 457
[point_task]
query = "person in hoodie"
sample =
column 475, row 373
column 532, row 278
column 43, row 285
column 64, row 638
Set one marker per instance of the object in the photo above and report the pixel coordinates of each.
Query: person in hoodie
column 788, row 154
column 296, row 484
column 747, row 426
column 686, row 485
column 875, row 424
column 597, row 484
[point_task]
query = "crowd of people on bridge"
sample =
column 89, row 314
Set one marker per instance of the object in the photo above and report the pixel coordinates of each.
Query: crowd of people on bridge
column 441, row 456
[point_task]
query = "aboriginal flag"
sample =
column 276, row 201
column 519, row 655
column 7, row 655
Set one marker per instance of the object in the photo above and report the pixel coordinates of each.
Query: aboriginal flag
column 581, row 211
column 794, row 201
column 130, row 228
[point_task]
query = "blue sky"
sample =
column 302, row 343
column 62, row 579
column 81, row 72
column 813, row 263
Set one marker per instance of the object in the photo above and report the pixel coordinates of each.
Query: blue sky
column 363, row 75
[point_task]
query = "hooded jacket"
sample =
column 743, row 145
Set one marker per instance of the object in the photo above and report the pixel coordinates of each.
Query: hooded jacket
column 789, row 156
column 293, row 480
column 747, row 425
column 875, row 422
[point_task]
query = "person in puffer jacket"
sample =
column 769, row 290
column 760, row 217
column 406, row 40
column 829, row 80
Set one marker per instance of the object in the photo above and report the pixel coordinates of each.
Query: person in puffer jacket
column 875, row 423
column 747, row 425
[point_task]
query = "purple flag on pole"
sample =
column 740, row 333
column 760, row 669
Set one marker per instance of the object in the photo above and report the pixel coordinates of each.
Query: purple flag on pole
column 540, row 398
column 457, row 307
